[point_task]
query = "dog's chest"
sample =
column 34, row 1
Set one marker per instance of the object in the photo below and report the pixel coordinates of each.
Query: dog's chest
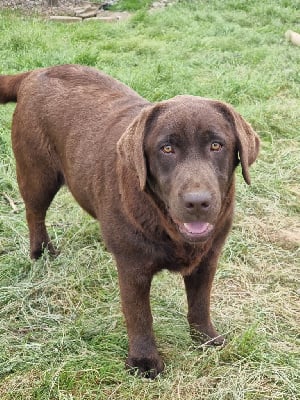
column 182, row 258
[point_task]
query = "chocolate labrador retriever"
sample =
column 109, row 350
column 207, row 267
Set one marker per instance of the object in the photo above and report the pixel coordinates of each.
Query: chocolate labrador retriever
column 159, row 177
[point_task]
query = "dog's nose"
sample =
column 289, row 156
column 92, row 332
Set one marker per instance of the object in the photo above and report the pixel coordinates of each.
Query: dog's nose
column 197, row 201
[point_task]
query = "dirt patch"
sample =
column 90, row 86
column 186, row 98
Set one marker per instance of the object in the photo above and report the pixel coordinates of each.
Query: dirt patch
column 291, row 236
column 65, row 7
column 287, row 236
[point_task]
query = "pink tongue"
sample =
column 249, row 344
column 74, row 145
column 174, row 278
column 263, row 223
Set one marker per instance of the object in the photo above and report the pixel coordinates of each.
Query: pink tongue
column 196, row 227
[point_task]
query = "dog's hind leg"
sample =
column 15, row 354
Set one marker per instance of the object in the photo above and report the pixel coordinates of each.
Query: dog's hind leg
column 39, row 180
column 38, row 190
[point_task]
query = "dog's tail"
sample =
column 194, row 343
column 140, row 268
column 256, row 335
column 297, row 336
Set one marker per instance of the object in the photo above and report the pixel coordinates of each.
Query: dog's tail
column 9, row 86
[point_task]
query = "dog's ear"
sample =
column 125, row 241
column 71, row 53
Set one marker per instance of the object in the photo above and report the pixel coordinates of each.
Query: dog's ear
column 247, row 139
column 130, row 146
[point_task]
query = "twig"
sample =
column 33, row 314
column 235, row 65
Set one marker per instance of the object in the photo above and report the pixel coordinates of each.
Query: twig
column 11, row 202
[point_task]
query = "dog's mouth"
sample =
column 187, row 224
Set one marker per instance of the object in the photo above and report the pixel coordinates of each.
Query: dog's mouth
column 195, row 231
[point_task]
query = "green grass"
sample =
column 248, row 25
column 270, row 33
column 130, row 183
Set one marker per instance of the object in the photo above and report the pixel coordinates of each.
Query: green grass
column 62, row 334
column 132, row 5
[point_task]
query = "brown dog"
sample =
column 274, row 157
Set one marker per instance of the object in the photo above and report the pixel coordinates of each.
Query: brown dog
column 159, row 177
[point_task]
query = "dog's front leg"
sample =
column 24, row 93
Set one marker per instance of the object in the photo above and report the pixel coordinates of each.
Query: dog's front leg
column 135, row 286
column 198, row 289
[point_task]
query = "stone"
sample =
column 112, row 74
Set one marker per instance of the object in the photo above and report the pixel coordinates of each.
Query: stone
column 64, row 18
column 102, row 19
column 86, row 12
column 293, row 37
column 117, row 16
column 78, row 10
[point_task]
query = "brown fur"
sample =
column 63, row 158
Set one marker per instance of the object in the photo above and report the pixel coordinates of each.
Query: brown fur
column 148, row 172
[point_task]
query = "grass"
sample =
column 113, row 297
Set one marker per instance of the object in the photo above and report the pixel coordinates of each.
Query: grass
column 62, row 334
column 132, row 5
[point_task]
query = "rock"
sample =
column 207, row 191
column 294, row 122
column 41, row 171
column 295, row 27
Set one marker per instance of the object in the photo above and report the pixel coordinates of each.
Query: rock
column 117, row 15
column 109, row 16
column 78, row 10
column 102, row 19
column 87, row 11
column 87, row 14
column 64, row 18
column 293, row 37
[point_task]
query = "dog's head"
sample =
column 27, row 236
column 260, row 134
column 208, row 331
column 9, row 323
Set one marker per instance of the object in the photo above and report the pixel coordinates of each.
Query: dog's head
column 184, row 151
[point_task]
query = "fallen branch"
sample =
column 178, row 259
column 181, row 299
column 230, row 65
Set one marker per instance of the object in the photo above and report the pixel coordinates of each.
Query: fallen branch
column 11, row 202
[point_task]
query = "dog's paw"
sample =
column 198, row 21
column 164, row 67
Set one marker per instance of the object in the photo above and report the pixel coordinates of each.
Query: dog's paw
column 37, row 250
column 147, row 367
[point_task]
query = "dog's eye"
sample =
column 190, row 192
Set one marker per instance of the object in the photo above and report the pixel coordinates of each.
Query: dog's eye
column 167, row 149
column 215, row 146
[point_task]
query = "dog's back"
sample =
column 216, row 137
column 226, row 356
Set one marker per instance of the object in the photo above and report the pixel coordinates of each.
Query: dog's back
column 65, row 128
